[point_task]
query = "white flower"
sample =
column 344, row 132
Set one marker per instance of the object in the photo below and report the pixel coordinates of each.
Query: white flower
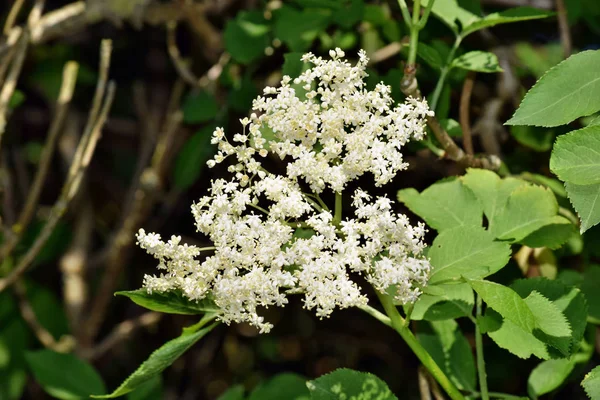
column 271, row 238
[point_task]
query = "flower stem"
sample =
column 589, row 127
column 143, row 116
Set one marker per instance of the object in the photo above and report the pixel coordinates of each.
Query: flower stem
column 337, row 218
column 480, row 361
column 415, row 346
column 414, row 33
column 445, row 69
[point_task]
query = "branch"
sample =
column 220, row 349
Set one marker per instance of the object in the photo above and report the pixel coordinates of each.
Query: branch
column 64, row 98
column 465, row 102
column 563, row 26
column 83, row 155
column 121, row 332
column 410, row 87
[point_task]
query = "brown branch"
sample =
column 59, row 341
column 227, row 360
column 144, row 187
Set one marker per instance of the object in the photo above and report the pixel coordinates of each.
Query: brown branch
column 12, row 16
column 65, row 344
column 465, row 102
column 81, row 160
column 64, row 98
column 423, row 384
column 563, row 26
column 121, row 332
column 149, row 185
column 410, row 87
column 10, row 84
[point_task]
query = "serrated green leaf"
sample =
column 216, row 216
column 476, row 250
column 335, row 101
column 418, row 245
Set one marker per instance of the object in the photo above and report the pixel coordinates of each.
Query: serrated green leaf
column 591, row 383
column 441, row 302
column 518, row 14
column 199, row 107
column 192, row 158
column 506, row 302
column 346, row 383
column 548, row 376
column 282, row 386
column 444, row 205
column 170, row 302
column 538, row 139
column 491, row 191
column 551, row 236
column 547, row 316
column 511, row 337
column 480, row 61
column 527, row 209
column 430, row 55
column 451, row 14
column 158, row 361
column 586, row 201
column 466, row 251
column 246, row 37
column 566, row 92
column 576, row 155
column 151, row 390
column 64, row 376
column 568, row 300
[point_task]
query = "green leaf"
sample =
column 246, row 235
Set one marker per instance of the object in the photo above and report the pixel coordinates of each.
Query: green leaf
column 15, row 338
column 233, row 393
column 548, row 376
column 552, row 236
column 151, row 390
column 169, row 302
column 451, row 14
column 430, row 55
column 506, row 302
column 480, row 61
column 548, row 317
column 511, row 337
column 518, row 14
column 16, row 99
column 48, row 310
column 199, row 107
column 346, row 383
column 242, row 94
column 538, row 139
column 441, row 302
column 158, row 361
column 591, row 383
column 576, row 156
column 586, row 201
column 568, row 301
column 444, row 205
column 282, row 386
column 528, row 209
column 466, row 252
column 589, row 286
column 298, row 29
column 192, row 158
column 566, row 92
column 64, row 376
column 350, row 13
column 246, row 37
column 491, row 191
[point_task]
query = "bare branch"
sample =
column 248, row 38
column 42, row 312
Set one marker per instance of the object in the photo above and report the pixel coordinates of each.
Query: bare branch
column 563, row 26
column 465, row 103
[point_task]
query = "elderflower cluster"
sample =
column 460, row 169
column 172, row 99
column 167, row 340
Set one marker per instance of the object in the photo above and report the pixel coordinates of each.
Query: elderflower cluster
column 271, row 237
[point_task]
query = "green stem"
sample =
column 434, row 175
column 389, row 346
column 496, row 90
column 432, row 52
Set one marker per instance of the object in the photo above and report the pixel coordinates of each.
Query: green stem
column 378, row 315
column 337, row 218
column 445, row 69
column 498, row 395
column 480, row 361
column 415, row 346
column 405, row 13
column 414, row 33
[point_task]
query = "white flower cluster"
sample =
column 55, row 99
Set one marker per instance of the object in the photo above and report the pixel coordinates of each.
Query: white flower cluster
column 271, row 238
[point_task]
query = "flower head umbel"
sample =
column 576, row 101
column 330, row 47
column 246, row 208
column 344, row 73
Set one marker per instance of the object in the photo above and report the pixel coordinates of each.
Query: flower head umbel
column 272, row 238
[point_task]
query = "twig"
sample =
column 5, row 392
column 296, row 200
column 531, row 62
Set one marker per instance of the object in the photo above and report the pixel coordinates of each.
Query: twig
column 8, row 201
column 72, row 266
column 563, row 26
column 65, row 344
column 36, row 13
column 11, row 80
column 33, row 196
column 423, row 384
column 465, row 102
column 7, row 57
column 410, row 87
column 122, row 332
column 85, row 149
column 149, row 184
column 180, row 65
column 12, row 16
column 388, row 51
